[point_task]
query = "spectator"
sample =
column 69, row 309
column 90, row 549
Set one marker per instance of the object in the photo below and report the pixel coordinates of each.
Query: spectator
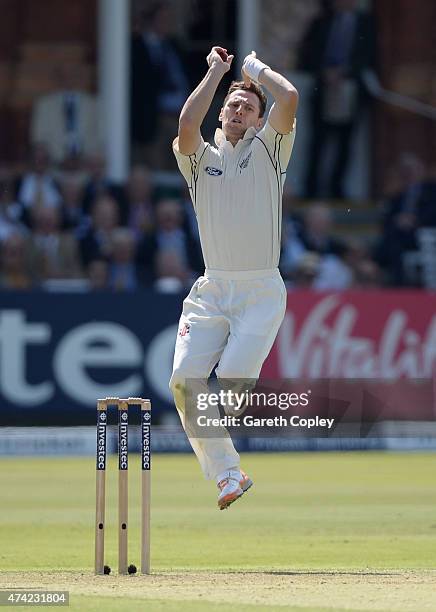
column 14, row 271
column 411, row 207
column 316, row 234
column 169, row 235
column 53, row 253
column 337, row 48
column 305, row 272
column 333, row 275
column 67, row 119
column 37, row 187
column 98, row 275
column 357, row 257
column 122, row 268
column 99, row 184
column 159, row 87
column 96, row 243
column 171, row 275
column 321, row 273
column 140, row 216
column 315, row 237
column 367, row 275
column 9, row 209
column 72, row 202
column 291, row 249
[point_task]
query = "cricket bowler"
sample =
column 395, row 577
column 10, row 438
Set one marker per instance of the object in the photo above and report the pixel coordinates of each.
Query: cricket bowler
column 233, row 312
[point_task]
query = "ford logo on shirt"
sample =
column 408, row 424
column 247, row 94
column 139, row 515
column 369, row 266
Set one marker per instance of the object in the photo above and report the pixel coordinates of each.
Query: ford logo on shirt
column 213, row 171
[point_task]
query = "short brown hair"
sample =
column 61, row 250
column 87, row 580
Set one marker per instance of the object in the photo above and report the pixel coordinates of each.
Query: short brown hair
column 254, row 88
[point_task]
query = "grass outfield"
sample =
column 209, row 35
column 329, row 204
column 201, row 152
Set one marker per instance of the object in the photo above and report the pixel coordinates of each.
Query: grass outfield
column 352, row 531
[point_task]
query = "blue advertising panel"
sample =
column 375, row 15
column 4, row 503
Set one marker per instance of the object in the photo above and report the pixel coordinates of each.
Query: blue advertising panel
column 60, row 352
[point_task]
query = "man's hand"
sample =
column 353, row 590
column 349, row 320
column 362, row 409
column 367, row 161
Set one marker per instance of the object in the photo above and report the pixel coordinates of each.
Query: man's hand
column 245, row 76
column 282, row 113
column 198, row 103
column 252, row 68
column 219, row 57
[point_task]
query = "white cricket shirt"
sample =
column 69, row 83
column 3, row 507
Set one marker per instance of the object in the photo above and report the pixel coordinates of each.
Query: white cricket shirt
column 237, row 197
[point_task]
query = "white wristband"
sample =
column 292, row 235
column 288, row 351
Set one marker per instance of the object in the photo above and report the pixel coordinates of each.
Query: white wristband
column 253, row 67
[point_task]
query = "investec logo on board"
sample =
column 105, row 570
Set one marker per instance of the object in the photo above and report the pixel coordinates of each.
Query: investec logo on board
column 123, row 452
column 145, row 438
column 101, row 442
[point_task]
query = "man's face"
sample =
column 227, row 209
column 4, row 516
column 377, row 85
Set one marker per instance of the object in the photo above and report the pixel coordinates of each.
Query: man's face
column 240, row 112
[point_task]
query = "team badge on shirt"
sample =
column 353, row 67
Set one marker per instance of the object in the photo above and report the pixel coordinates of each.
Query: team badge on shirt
column 213, row 171
column 244, row 162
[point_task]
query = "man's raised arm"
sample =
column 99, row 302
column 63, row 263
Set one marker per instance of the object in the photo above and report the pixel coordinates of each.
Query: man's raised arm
column 198, row 103
column 282, row 113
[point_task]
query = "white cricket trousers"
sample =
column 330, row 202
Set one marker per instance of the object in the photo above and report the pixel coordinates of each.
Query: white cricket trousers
column 231, row 318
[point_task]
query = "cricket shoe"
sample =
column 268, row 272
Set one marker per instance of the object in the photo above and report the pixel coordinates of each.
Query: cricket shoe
column 232, row 487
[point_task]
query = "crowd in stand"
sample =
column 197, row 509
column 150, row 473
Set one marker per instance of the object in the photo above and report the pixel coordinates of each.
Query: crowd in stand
column 313, row 257
column 65, row 224
column 79, row 230
column 82, row 230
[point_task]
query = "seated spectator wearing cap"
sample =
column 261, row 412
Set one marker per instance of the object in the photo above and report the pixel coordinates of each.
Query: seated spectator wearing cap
column 14, row 269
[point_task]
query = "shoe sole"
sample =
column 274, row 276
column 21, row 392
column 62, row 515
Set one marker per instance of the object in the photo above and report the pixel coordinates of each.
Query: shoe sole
column 248, row 483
